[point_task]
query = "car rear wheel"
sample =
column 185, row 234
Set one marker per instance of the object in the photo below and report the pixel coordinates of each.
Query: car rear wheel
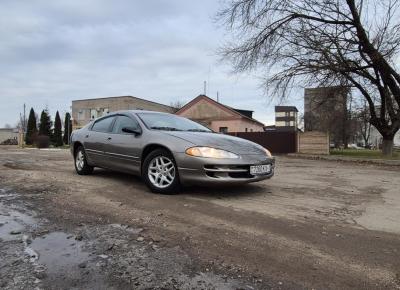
column 160, row 172
column 81, row 165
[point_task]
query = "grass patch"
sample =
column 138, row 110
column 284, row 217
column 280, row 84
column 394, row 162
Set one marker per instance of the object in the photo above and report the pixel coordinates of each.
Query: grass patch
column 65, row 146
column 364, row 153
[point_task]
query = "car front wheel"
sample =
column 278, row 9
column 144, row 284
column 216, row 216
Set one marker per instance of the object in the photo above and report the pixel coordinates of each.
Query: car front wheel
column 160, row 172
column 81, row 165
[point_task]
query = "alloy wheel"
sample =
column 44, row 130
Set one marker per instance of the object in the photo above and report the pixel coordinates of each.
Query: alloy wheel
column 80, row 160
column 161, row 171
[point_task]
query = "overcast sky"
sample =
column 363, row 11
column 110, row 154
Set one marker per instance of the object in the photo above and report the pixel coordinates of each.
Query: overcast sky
column 53, row 52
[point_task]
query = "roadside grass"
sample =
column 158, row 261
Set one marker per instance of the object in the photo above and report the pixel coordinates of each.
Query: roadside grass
column 364, row 153
column 65, row 146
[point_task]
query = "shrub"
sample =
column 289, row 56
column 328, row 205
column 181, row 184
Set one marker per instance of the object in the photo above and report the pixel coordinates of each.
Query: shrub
column 31, row 128
column 57, row 136
column 42, row 141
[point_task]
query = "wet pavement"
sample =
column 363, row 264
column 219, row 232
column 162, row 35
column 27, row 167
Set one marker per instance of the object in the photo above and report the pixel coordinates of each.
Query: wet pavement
column 37, row 254
column 315, row 225
column 13, row 222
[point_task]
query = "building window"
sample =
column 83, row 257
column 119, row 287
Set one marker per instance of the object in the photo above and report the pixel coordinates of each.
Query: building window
column 245, row 130
column 287, row 114
column 280, row 123
column 223, row 130
column 287, row 123
column 93, row 114
column 251, row 130
column 81, row 115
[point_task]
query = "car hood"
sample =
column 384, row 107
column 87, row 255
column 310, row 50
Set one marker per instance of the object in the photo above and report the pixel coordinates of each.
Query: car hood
column 221, row 141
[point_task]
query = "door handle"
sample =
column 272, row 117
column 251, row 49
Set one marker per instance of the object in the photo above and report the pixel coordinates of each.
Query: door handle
column 87, row 136
column 109, row 138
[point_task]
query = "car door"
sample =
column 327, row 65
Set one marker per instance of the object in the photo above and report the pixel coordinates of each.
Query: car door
column 124, row 149
column 95, row 140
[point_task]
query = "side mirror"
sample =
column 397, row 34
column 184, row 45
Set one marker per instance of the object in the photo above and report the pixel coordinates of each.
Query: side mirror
column 132, row 130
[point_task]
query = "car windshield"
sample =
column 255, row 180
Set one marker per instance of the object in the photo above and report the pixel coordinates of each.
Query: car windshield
column 168, row 122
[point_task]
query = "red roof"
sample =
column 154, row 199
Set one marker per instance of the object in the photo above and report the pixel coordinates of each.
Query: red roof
column 221, row 106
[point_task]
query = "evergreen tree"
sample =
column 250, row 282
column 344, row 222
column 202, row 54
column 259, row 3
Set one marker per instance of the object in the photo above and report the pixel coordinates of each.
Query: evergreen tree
column 57, row 137
column 31, row 128
column 67, row 128
column 45, row 124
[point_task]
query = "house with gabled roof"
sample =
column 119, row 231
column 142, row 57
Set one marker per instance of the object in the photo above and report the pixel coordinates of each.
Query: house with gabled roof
column 219, row 117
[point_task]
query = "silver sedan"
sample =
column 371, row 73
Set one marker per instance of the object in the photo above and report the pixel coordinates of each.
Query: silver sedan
column 167, row 151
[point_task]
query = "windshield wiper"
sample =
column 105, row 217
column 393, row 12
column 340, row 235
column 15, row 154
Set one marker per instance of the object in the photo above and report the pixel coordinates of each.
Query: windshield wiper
column 197, row 130
column 166, row 128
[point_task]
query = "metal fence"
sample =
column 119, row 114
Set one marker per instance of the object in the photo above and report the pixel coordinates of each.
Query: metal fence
column 275, row 141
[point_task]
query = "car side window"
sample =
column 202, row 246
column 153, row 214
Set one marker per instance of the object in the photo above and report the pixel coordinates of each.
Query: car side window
column 103, row 125
column 123, row 122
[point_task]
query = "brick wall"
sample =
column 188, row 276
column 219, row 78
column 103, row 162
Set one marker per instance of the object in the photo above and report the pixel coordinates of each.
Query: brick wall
column 81, row 109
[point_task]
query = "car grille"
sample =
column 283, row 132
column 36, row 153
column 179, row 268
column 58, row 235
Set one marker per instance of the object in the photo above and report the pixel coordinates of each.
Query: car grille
column 224, row 171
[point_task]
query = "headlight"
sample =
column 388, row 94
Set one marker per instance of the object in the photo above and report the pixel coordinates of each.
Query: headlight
column 209, row 152
column 267, row 152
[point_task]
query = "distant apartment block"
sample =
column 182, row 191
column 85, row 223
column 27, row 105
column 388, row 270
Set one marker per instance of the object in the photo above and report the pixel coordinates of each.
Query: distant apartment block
column 325, row 109
column 83, row 111
column 323, row 105
column 286, row 118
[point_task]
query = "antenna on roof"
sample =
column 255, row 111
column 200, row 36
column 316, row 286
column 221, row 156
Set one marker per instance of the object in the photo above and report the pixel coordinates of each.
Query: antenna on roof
column 205, row 88
column 217, row 96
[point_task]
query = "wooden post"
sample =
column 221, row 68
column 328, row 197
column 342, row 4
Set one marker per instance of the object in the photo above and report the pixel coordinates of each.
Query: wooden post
column 21, row 141
column 329, row 142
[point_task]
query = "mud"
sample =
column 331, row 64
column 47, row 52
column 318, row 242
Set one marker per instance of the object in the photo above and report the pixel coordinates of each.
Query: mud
column 316, row 225
column 110, row 256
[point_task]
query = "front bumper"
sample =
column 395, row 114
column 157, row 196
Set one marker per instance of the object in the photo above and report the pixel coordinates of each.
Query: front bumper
column 198, row 170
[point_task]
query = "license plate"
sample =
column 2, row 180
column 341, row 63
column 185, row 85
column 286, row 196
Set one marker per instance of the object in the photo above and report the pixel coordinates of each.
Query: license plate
column 260, row 169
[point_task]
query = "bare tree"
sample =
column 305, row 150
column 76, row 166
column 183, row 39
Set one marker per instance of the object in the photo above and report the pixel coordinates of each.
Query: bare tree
column 362, row 117
column 176, row 106
column 324, row 43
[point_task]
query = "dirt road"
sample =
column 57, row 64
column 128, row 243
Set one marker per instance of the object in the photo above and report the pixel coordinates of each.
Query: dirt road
column 315, row 225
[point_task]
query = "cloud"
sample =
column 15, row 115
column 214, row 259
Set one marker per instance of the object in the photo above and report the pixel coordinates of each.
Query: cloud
column 55, row 51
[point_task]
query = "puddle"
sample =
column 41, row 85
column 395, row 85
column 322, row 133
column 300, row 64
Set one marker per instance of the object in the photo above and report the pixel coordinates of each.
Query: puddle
column 58, row 252
column 127, row 228
column 13, row 223
column 7, row 195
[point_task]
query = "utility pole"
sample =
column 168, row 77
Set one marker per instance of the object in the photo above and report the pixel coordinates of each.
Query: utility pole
column 24, row 130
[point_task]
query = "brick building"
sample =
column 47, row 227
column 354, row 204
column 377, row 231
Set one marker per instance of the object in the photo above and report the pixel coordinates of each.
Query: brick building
column 286, row 118
column 325, row 110
column 219, row 117
column 83, row 111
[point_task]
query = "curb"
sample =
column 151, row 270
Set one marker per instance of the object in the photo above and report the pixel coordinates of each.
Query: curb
column 380, row 162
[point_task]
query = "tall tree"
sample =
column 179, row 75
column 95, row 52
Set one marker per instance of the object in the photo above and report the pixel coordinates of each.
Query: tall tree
column 57, row 136
column 31, row 128
column 67, row 128
column 45, row 124
column 322, row 42
column 362, row 118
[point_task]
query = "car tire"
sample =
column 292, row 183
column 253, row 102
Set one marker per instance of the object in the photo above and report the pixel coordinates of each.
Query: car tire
column 160, row 173
column 80, row 160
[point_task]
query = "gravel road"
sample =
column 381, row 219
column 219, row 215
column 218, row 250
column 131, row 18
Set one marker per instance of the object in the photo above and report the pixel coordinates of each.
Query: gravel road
column 315, row 225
